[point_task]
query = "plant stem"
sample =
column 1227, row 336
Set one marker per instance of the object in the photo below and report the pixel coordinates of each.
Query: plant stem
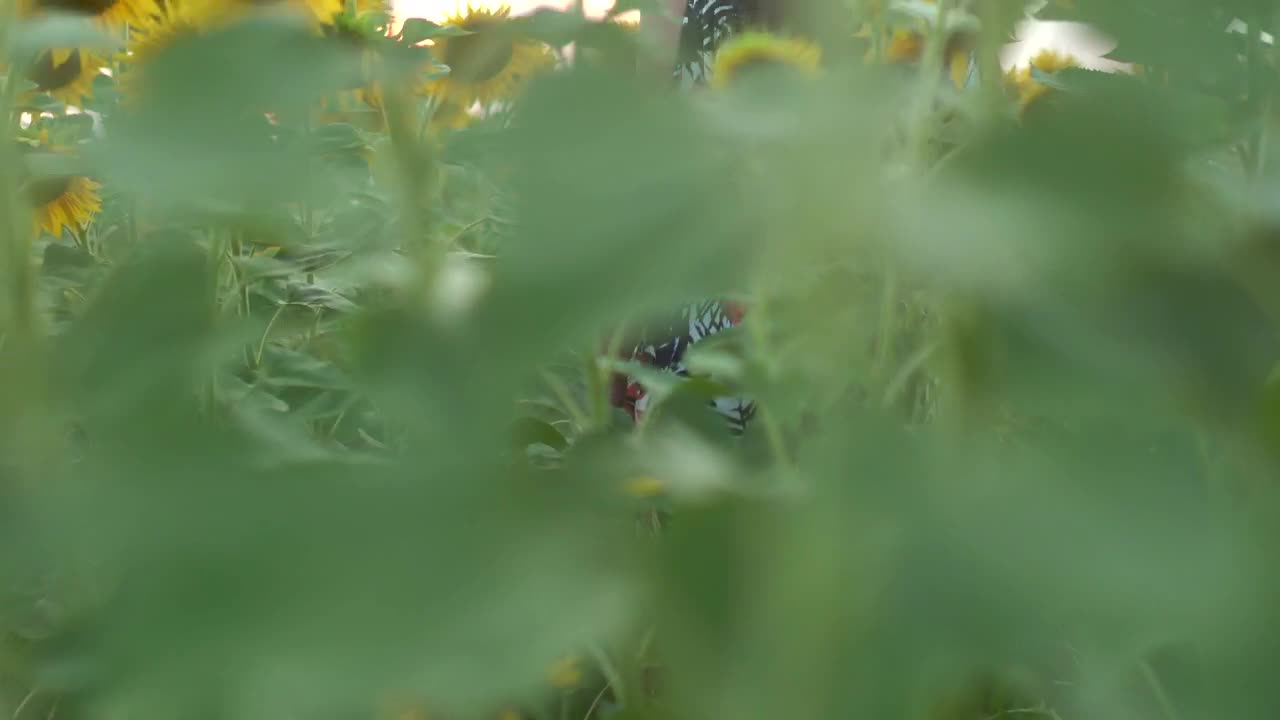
column 758, row 329
column 988, row 57
column 416, row 165
column 15, row 226
column 597, row 376
column 922, row 117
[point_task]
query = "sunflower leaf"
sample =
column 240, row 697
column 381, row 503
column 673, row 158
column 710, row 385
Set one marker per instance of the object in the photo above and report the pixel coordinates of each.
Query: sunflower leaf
column 415, row 30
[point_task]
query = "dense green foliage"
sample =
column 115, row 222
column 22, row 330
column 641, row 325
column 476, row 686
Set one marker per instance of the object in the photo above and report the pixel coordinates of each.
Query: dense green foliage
column 312, row 420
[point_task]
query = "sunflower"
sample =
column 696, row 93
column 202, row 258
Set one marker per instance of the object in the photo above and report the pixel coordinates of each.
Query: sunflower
column 69, row 81
column 57, row 201
column 754, row 50
column 490, row 63
column 108, row 12
column 906, row 46
column 63, row 202
column 1028, row 89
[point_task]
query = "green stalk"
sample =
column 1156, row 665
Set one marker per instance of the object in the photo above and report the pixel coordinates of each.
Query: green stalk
column 416, row 168
column 15, row 232
column 597, row 388
column 877, row 30
column 990, row 74
column 25, row 437
column 758, row 329
column 922, row 116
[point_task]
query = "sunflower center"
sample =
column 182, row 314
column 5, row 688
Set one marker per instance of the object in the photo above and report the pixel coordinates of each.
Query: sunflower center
column 478, row 57
column 45, row 190
column 83, row 7
column 48, row 77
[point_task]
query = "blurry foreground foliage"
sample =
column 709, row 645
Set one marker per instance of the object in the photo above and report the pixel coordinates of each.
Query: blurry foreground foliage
column 304, row 410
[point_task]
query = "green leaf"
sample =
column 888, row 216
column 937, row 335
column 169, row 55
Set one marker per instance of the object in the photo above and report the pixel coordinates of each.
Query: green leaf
column 528, row 431
column 416, row 30
column 30, row 36
column 218, row 87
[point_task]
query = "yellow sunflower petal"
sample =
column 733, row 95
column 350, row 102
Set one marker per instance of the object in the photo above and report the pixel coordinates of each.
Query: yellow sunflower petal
column 959, row 68
column 65, row 203
column 71, row 81
column 490, row 64
column 904, row 46
column 1052, row 61
column 107, row 12
column 1023, row 82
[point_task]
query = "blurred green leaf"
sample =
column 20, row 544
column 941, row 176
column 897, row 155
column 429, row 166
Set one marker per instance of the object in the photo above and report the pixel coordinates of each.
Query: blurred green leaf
column 32, row 35
column 415, row 30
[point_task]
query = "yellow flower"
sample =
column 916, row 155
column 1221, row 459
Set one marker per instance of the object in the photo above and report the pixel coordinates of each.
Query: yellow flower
column 108, row 12
column 489, row 64
column 904, row 46
column 958, row 64
column 645, row 486
column 749, row 51
column 1028, row 89
column 565, row 674
column 69, row 81
column 66, row 202
column 1052, row 61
